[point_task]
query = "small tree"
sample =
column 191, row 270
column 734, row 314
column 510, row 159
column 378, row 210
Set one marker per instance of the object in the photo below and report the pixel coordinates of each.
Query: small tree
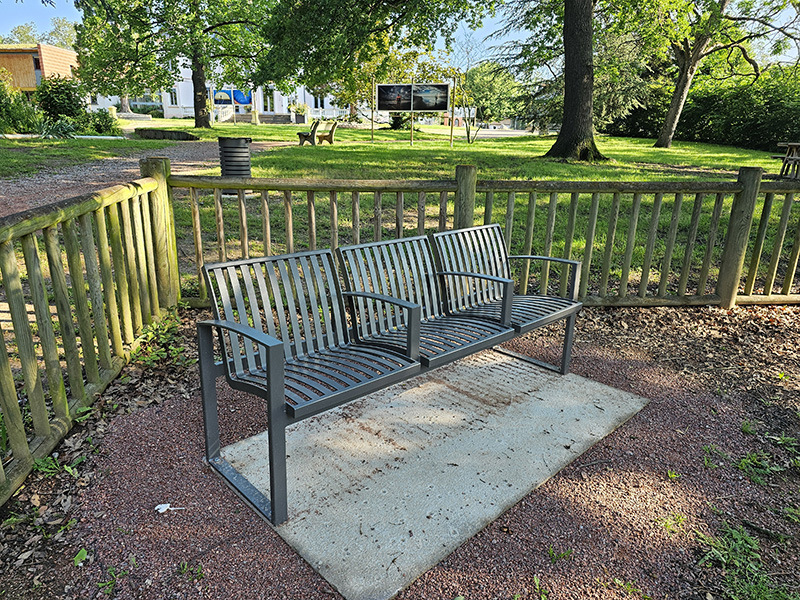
column 61, row 97
column 17, row 114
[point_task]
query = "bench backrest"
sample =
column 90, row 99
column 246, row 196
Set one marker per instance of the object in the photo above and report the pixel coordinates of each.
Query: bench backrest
column 295, row 298
column 402, row 268
column 474, row 250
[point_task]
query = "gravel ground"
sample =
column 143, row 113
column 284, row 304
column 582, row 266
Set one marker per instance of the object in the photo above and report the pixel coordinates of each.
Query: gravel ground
column 624, row 517
column 623, row 521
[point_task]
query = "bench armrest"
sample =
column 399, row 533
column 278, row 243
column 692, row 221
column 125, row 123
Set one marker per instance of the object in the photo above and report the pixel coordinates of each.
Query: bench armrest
column 508, row 290
column 414, row 317
column 255, row 335
column 274, row 347
column 574, row 274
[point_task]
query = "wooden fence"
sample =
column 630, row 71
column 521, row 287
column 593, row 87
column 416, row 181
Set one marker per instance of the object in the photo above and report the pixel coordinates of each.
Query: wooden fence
column 114, row 260
column 70, row 318
column 641, row 243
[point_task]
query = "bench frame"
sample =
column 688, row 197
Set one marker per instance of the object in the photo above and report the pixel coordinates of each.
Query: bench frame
column 266, row 356
column 274, row 361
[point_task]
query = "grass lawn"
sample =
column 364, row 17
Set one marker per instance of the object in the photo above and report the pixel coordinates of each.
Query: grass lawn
column 28, row 156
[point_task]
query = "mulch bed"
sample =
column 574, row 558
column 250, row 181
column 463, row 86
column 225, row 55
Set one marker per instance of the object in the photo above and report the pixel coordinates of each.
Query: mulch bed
column 621, row 521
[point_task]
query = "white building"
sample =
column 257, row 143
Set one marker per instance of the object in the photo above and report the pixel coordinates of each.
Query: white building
column 271, row 105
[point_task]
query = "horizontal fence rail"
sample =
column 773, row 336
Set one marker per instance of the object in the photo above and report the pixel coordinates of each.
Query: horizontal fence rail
column 79, row 281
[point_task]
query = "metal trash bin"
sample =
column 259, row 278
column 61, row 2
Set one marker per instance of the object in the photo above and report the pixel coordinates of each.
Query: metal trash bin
column 234, row 158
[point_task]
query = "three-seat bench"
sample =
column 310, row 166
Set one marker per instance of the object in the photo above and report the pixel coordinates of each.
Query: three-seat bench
column 285, row 335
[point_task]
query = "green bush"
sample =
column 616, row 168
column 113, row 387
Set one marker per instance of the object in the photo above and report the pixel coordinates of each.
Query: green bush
column 98, row 123
column 17, row 113
column 61, row 97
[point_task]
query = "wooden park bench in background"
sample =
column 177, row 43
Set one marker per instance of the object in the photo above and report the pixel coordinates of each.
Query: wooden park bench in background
column 327, row 135
column 309, row 136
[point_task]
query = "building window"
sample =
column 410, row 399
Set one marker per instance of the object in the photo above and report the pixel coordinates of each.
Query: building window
column 173, row 97
column 319, row 101
column 269, row 100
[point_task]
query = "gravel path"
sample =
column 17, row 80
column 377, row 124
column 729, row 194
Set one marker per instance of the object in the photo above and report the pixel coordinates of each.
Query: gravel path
column 39, row 189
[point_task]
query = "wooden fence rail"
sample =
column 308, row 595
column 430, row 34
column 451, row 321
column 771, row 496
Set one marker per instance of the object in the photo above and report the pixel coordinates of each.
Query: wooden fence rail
column 81, row 278
column 641, row 243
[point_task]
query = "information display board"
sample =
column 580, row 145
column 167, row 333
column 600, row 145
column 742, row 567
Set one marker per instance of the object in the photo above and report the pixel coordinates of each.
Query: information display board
column 417, row 97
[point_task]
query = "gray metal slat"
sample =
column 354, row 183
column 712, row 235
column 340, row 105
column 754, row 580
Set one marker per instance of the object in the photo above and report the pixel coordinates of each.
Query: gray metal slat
column 327, row 328
column 299, row 314
column 318, row 337
column 337, row 302
column 278, row 296
column 235, row 275
column 254, row 314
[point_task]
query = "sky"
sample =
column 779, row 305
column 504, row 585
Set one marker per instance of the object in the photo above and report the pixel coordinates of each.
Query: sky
column 17, row 13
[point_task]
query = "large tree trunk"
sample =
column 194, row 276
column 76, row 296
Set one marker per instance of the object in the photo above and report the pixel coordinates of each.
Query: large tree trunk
column 202, row 119
column 125, row 104
column 576, row 138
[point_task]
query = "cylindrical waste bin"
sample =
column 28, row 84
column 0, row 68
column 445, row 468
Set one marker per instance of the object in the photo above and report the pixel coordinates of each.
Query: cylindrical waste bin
column 234, row 158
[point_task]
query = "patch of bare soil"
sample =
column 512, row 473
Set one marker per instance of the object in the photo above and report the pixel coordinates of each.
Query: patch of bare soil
column 625, row 520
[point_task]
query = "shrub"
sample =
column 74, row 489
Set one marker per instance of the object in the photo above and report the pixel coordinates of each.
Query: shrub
column 98, row 123
column 60, row 97
column 17, row 113
column 749, row 114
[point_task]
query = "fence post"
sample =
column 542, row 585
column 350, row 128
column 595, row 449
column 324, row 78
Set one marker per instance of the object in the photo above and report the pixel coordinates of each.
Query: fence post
column 738, row 236
column 164, row 236
column 464, row 211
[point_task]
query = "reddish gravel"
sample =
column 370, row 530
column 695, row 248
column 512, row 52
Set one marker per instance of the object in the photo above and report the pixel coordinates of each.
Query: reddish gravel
column 629, row 529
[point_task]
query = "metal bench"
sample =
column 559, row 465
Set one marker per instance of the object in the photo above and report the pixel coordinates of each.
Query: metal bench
column 284, row 336
column 405, row 269
column 483, row 250
column 309, row 136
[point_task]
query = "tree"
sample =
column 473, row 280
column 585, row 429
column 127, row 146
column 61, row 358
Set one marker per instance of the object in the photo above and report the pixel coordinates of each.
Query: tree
column 688, row 33
column 494, row 91
column 137, row 44
column 25, row 34
column 560, row 41
column 62, row 34
column 347, row 32
column 576, row 137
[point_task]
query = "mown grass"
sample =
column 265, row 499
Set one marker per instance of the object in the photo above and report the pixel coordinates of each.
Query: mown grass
column 29, row 156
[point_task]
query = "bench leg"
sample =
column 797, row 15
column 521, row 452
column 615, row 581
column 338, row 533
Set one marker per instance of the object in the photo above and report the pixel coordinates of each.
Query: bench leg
column 278, row 420
column 208, row 390
column 569, row 334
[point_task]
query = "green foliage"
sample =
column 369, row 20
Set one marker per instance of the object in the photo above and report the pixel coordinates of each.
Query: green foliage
column 61, row 97
column 739, row 556
column 758, row 467
column 493, row 90
column 161, row 345
column 62, row 34
column 737, row 112
column 17, row 114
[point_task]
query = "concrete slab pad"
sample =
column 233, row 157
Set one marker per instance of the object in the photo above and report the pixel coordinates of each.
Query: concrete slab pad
column 384, row 488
